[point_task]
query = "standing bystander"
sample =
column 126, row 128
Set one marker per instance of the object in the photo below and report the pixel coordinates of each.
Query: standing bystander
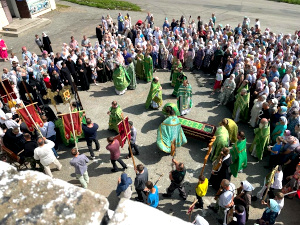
column 79, row 162
column 90, row 133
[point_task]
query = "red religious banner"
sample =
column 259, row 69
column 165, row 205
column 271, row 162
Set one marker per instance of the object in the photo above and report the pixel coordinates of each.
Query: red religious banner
column 6, row 91
column 33, row 118
column 122, row 131
column 66, row 119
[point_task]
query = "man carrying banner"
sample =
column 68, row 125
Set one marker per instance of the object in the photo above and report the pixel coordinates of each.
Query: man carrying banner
column 66, row 130
column 169, row 130
column 239, row 154
column 90, row 133
column 115, row 116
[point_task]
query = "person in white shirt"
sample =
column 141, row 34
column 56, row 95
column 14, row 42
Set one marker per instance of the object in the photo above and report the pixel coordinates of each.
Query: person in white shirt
column 277, row 184
column 48, row 131
column 11, row 123
column 45, row 154
column 224, row 200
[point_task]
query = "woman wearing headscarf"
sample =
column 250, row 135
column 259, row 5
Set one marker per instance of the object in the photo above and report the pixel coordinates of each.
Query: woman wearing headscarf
column 209, row 53
column 293, row 120
column 190, row 57
column 200, row 54
column 279, row 128
column 281, row 96
column 271, row 212
column 124, row 188
column 47, row 43
column 294, row 107
column 290, row 99
column 217, row 59
column 227, row 90
column 244, row 194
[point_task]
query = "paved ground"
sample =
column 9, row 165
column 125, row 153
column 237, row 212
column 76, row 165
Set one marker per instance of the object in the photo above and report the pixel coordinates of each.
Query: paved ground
column 78, row 20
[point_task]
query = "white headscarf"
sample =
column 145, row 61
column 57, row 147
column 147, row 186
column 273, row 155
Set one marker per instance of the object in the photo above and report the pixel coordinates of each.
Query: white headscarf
column 283, row 119
column 247, row 186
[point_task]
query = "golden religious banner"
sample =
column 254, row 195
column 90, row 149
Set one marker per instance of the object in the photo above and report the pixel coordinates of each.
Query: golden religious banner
column 65, row 94
column 50, row 95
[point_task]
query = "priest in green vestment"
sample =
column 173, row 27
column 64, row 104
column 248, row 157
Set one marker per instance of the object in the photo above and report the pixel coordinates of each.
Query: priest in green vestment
column 121, row 79
column 131, row 73
column 115, row 116
column 148, row 67
column 171, row 106
column 175, row 71
column 154, row 98
column 139, row 68
column 222, row 140
column 261, row 139
column 180, row 78
column 232, row 129
column 169, row 130
column 241, row 104
column 184, row 98
column 239, row 154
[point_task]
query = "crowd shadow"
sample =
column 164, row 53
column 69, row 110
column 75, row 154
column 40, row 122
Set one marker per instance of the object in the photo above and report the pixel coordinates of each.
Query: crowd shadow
column 105, row 92
column 137, row 109
column 151, row 125
column 150, row 154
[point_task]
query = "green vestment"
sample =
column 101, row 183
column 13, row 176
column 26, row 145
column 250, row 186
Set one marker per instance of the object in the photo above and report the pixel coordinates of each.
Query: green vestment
column 148, row 68
column 114, row 118
column 239, row 157
column 173, row 106
column 139, row 69
column 222, row 139
column 121, row 78
column 181, row 77
column 184, row 96
column 232, row 130
column 242, row 103
column 261, row 141
column 169, row 130
column 155, row 94
column 131, row 74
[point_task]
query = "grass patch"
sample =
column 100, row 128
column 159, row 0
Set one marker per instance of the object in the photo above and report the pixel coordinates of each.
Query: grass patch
column 60, row 6
column 108, row 4
column 296, row 2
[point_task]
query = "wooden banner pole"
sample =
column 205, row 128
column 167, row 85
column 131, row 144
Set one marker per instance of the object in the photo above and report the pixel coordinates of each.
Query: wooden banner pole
column 36, row 127
column 134, row 166
column 73, row 130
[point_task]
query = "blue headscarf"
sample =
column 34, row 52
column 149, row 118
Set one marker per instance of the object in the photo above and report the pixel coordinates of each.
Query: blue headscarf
column 125, row 182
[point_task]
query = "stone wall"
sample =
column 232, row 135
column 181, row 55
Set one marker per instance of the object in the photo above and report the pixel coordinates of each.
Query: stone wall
column 30, row 197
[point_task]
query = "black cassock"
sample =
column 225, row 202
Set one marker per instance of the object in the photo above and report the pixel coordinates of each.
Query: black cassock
column 223, row 173
column 47, row 44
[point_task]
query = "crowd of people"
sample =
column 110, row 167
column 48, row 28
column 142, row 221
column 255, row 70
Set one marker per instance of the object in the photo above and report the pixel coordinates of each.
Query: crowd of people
column 257, row 75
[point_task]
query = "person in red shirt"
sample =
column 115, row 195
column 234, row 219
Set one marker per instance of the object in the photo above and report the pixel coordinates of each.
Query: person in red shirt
column 114, row 148
column 47, row 80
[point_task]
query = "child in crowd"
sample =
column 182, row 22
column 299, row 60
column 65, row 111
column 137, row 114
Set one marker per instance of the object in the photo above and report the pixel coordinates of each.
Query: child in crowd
column 201, row 190
column 275, row 151
column 218, row 82
column 239, row 216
